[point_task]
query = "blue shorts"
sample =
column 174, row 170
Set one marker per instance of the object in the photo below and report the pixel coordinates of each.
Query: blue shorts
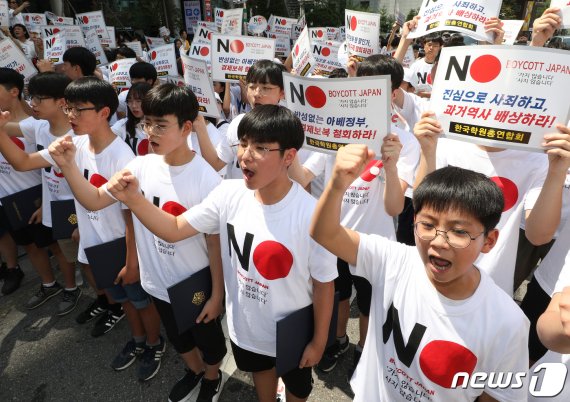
column 132, row 292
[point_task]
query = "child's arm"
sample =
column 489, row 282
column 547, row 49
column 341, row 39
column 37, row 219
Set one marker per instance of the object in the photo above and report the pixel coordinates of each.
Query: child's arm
column 325, row 225
column 18, row 158
column 62, row 151
column 130, row 272
column 299, row 173
column 213, row 307
column 226, row 102
column 21, row 8
column 553, row 326
column 394, row 188
column 404, row 41
column 544, row 218
column 544, row 27
column 323, row 298
column 427, row 131
column 124, row 186
column 206, row 147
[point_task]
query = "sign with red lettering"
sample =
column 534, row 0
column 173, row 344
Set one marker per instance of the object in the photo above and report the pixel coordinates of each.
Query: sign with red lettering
column 119, row 73
column 362, row 33
column 11, row 56
column 303, row 60
column 198, row 80
column 564, row 6
column 163, row 58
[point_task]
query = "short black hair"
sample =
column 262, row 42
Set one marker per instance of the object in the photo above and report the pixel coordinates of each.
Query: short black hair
column 265, row 72
column 272, row 123
column 10, row 79
column 82, row 57
column 138, row 91
column 126, row 52
column 143, row 70
column 90, row 89
column 168, row 99
column 49, row 83
column 433, row 37
column 461, row 190
column 338, row 73
column 379, row 64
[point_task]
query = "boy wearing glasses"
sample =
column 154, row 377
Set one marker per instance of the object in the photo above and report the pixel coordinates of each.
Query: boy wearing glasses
column 47, row 99
column 173, row 178
column 432, row 317
column 271, row 266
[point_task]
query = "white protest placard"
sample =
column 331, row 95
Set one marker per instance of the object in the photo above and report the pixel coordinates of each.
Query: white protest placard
column 34, row 19
column 326, row 57
column 408, row 57
column 218, row 18
column 202, row 51
column 342, row 33
column 466, row 17
column 119, row 73
column 281, row 25
column 96, row 20
column 282, row 44
column 58, row 20
column 153, row 42
column 11, row 56
column 192, row 14
column 564, row 6
column 232, row 21
column 54, row 48
column 93, row 44
column 332, row 33
column 512, row 29
column 73, row 34
column 362, row 33
column 112, row 41
column 296, row 30
column 232, row 56
column 4, row 14
column 207, row 24
column 318, row 34
column 203, row 35
column 303, row 60
column 136, row 46
column 177, row 80
column 257, row 24
column 198, row 80
column 340, row 111
column 509, row 102
column 163, row 58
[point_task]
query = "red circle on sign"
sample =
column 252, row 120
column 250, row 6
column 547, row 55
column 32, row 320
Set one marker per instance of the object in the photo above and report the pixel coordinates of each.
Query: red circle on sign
column 209, row 36
column 283, row 22
column 85, row 19
column 204, row 51
column 173, row 208
column 315, row 96
column 441, row 360
column 18, row 142
column 221, row 14
column 509, row 189
column 236, row 46
column 272, row 260
column 326, row 51
column 297, row 50
column 353, row 23
column 153, row 55
column 56, row 30
column 114, row 67
column 97, row 180
column 319, row 34
column 485, row 68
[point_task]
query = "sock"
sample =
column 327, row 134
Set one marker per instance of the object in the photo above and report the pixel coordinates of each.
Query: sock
column 102, row 301
column 73, row 289
column 139, row 339
column 152, row 345
column 341, row 339
column 48, row 285
column 358, row 348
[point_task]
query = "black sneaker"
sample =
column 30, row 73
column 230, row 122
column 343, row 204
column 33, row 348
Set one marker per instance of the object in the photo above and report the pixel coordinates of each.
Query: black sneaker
column 210, row 390
column 12, row 279
column 355, row 360
column 183, row 388
column 106, row 323
column 3, row 269
column 331, row 355
column 128, row 355
column 69, row 301
column 43, row 295
column 90, row 313
column 150, row 360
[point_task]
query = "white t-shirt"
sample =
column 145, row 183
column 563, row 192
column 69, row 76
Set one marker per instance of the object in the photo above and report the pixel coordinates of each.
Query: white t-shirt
column 213, row 133
column 54, row 185
column 268, row 258
column 521, row 175
column 97, row 227
column 227, row 153
column 421, row 75
column 28, row 48
column 173, row 189
column 418, row 339
column 139, row 143
column 412, row 108
column 15, row 19
column 12, row 181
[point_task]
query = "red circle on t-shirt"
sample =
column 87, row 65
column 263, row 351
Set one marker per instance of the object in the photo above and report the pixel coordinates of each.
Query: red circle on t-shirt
column 272, row 260
column 18, row 142
column 173, row 208
column 485, row 68
column 142, row 148
column 509, row 189
column 428, row 79
column 97, row 180
column 441, row 360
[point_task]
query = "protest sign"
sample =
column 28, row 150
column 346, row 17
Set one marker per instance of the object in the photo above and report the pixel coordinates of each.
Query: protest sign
column 303, row 60
column 178, row 80
column 198, row 80
column 509, row 102
column 466, row 17
column 202, row 52
column 93, row 44
column 96, row 20
column 218, row 18
column 34, row 19
column 207, row 24
column 326, row 57
column 112, row 41
column 203, row 35
column 257, row 24
column 296, row 30
column 73, row 34
column 163, row 58
column 564, row 6
column 54, row 47
column 192, row 14
column 11, row 56
column 512, row 29
column 4, row 14
column 281, row 25
column 362, row 33
column 318, row 34
column 332, row 33
column 336, row 112
column 342, row 33
column 282, row 44
column 57, row 20
column 137, row 48
column 119, row 73
column 153, row 42
column 232, row 56
column 232, row 21
column 302, row 21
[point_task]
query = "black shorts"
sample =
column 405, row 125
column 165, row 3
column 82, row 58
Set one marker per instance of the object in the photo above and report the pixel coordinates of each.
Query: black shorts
column 297, row 381
column 209, row 338
column 535, row 301
column 38, row 234
column 343, row 285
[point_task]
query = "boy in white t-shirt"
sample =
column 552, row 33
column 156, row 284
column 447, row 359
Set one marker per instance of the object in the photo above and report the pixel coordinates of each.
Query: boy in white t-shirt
column 271, row 267
column 433, row 318
column 174, row 178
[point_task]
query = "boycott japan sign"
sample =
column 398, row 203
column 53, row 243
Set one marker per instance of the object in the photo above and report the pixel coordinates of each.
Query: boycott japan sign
column 466, row 17
column 34, row 19
column 336, row 112
column 303, row 60
column 198, row 80
column 119, row 73
column 54, row 47
column 232, row 21
column 94, row 19
column 202, row 52
column 326, row 56
column 163, row 58
column 73, row 34
column 232, row 56
column 362, row 33
column 509, row 102
column 12, row 57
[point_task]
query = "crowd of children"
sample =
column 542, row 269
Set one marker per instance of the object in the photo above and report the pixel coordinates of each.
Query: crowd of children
column 435, row 255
